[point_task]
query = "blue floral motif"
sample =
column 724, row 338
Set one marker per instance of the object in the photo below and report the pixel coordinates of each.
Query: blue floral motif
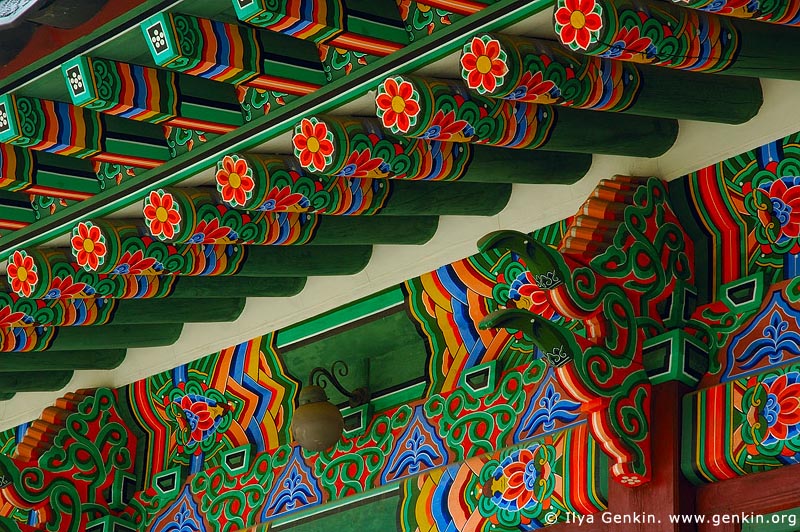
column 182, row 516
column 418, row 449
column 719, row 5
column 298, row 489
column 542, row 414
column 779, row 342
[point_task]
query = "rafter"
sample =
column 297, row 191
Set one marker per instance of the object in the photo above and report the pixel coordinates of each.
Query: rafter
column 544, row 72
column 445, row 110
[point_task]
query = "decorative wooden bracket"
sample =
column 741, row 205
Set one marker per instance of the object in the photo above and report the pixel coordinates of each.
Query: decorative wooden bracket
column 623, row 258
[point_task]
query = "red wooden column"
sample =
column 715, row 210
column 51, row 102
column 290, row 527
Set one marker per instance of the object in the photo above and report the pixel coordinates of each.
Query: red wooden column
column 668, row 493
column 761, row 493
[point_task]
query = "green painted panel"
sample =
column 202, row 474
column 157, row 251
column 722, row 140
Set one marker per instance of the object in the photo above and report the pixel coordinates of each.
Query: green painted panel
column 785, row 521
column 383, row 351
column 351, row 312
column 371, row 515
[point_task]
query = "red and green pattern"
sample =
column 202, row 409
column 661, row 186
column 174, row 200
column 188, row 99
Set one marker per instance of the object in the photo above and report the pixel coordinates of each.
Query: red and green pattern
column 534, row 485
column 128, row 91
column 232, row 53
column 279, row 184
column 446, row 111
column 649, row 32
column 205, row 220
column 751, row 425
column 57, row 276
column 22, row 312
column 539, row 71
column 785, row 12
column 130, row 250
column 49, row 126
column 360, row 148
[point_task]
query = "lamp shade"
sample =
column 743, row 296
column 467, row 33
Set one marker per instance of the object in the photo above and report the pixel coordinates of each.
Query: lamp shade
column 316, row 424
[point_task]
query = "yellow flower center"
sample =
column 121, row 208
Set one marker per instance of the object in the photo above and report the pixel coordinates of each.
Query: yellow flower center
column 22, row 274
column 162, row 214
column 234, row 180
column 423, row 8
column 398, row 104
column 88, row 245
column 312, row 144
column 577, row 20
column 484, row 64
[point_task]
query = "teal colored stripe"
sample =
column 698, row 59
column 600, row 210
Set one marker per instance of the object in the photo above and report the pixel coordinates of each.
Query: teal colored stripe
column 347, row 314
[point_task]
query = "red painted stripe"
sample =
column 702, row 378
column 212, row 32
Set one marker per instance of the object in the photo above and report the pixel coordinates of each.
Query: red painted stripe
column 461, row 7
column 12, row 225
column 711, row 195
column 362, row 43
column 127, row 160
column 290, row 86
column 200, row 125
column 58, row 193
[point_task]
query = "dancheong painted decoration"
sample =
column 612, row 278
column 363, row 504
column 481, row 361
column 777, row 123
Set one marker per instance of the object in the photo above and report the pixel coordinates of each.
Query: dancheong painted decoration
column 211, row 209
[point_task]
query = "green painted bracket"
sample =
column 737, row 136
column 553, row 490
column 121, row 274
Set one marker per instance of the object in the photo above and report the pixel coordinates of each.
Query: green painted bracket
column 557, row 344
column 545, row 264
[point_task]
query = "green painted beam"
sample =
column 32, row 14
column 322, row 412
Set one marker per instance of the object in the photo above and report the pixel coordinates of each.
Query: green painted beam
column 445, row 198
column 7, row 396
column 90, row 359
column 115, row 336
column 222, row 287
column 505, row 124
column 275, row 261
column 407, row 230
column 205, row 220
column 579, row 81
column 177, row 310
column 33, row 381
column 696, row 40
column 490, row 165
column 123, row 238
column 613, row 134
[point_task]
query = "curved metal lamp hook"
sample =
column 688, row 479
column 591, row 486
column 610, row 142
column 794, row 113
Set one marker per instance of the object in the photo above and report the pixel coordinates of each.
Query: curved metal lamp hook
column 320, row 376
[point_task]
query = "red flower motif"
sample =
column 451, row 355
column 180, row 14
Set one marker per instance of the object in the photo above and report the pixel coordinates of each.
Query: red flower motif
column 398, row 104
column 209, row 232
column 10, row 319
column 284, row 200
column 234, row 180
column 527, row 295
column 629, row 43
column 785, row 208
column 518, row 480
column 483, row 64
column 361, row 164
column 88, row 246
column 200, row 418
column 313, row 144
column 22, row 273
column 64, row 288
column 134, row 264
column 445, row 127
column 577, row 22
column 161, row 214
column 534, row 88
column 783, row 403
